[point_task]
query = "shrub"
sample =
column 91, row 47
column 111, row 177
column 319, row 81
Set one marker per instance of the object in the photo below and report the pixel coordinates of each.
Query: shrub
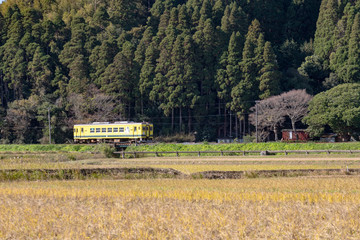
column 179, row 137
column 109, row 151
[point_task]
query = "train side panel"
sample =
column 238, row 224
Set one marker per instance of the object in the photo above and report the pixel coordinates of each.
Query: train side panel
column 113, row 132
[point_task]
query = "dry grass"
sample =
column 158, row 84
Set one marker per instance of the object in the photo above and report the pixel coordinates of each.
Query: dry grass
column 185, row 164
column 291, row 208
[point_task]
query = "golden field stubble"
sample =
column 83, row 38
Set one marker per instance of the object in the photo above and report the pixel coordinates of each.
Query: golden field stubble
column 281, row 208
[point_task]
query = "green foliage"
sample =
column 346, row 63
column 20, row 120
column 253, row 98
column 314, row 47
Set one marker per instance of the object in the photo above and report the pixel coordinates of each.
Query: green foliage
column 49, row 148
column 338, row 108
column 270, row 146
column 180, row 64
column 176, row 138
column 109, row 151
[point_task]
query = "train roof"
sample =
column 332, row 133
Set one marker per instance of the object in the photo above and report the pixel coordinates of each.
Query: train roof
column 114, row 123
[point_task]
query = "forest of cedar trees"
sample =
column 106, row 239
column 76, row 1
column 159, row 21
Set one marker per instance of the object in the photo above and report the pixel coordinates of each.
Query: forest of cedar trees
column 188, row 66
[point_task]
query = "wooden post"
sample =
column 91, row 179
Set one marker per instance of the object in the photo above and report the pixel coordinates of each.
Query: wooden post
column 199, row 154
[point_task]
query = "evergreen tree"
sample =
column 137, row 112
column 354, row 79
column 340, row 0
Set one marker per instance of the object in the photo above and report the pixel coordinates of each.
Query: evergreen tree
column 218, row 11
column 101, row 57
column 301, row 18
column 118, row 80
column 353, row 66
column 181, row 91
column 147, row 73
column 270, row 75
column 163, row 67
column 208, row 52
column 246, row 91
column 40, row 70
column 183, row 20
column 74, row 56
column 325, row 27
column 229, row 75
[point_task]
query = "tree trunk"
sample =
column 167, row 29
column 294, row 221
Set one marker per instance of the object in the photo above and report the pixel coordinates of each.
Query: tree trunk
column 180, row 120
column 276, row 133
column 244, row 126
column 240, row 123
column 236, row 127
column 172, row 120
column 225, row 122
column 230, row 130
column 189, row 121
column 219, row 118
column 294, row 129
column 2, row 92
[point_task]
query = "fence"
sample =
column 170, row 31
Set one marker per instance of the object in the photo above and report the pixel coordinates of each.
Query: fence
column 222, row 153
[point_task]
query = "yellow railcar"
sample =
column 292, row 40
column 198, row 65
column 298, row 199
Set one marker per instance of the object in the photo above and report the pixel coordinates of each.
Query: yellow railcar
column 117, row 132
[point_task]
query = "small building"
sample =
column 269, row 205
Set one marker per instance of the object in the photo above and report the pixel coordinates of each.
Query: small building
column 289, row 135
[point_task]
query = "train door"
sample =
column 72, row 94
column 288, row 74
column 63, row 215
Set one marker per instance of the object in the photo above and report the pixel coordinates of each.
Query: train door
column 148, row 131
column 76, row 134
column 151, row 131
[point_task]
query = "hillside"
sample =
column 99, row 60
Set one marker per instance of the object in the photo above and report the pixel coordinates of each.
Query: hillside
column 187, row 66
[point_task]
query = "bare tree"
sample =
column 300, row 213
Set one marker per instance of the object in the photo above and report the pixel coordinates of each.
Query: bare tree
column 295, row 105
column 270, row 115
column 21, row 120
column 95, row 106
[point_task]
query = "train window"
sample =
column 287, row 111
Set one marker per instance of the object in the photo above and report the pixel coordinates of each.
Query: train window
column 151, row 128
column 77, row 130
column 134, row 129
column 144, row 128
column 97, row 130
column 82, row 130
column 121, row 130
column 115, row 129
column 109, row 129
column 103, row 130
column 92, row 130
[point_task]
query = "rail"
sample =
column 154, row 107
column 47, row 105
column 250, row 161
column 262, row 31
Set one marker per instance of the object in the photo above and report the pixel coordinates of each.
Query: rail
column 222, row 153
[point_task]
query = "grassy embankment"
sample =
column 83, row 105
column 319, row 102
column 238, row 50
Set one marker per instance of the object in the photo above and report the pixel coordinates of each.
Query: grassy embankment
column 270, row 146
column 70, row 160
column 50, row 148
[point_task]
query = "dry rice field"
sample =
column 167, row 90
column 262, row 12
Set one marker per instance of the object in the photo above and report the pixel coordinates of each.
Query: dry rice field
column 316, row 207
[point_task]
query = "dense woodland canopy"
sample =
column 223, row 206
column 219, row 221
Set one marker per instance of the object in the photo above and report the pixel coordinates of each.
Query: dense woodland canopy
column 185, row 65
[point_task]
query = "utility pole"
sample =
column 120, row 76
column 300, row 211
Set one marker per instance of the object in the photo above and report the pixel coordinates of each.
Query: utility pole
column 49, row 125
